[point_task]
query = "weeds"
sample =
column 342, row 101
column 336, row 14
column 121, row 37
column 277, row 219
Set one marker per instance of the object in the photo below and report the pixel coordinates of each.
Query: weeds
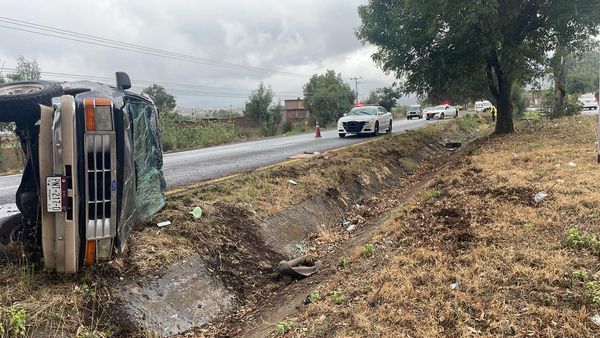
column 581, row 275
column 314, row 296
column 15, row 323
column 579, row 240
column 337, row 297
column 283, row 327
column 344, row 261
column 592, row 292
column 436, row 194
column 368, row 250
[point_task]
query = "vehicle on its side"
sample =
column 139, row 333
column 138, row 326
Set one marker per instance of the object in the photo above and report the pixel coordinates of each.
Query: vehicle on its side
column 93, row 166
column 441, row 112
column 483, row 106
column 414, row 111
column 365, row 120
column 588, row 101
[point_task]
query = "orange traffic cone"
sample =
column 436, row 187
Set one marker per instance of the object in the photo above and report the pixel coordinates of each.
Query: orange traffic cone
column 318, row 131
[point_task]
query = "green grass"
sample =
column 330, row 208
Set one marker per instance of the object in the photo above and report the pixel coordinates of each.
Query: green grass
column 178, row 134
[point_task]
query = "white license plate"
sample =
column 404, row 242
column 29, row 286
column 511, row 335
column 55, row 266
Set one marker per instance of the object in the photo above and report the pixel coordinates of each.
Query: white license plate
column 56, row 193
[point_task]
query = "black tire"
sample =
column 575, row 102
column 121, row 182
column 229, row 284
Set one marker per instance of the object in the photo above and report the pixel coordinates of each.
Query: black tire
column 420, row 117
column 389, row 130
column 427, row 118
column 342, row 135
column 19, row 101
column 442, row 116
column 376, row 129
column 409, row 118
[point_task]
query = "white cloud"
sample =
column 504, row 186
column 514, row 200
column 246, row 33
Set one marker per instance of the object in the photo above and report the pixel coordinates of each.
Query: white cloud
column 304, row 37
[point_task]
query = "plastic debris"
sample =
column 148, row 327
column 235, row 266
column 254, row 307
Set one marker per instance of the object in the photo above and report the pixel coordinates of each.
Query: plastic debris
column 540, row 196
column 351, row 227
column 454, row 286
column 560, row 181
column 596, row 319
column 163, row 224
column 197, row 212
column 292, row 182
column 572, row 164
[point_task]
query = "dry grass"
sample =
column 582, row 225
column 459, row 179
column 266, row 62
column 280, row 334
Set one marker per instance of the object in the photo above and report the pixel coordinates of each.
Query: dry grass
column 226, row 236
column 482, row 258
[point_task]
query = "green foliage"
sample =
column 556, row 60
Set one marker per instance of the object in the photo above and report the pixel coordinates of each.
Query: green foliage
column 271, row 120
column 581, row 275
column 468, row 49
column 26, row 70
column 578, row 240
column 283, row 327
column 14, row 322
column 178, row 133
column 327, row 97
column 337, row 297
column 287, row 127
column 164, row 101
column 368, row 250
column 344, row 261
column 467, row 122
column 385, row 97
column 519, row 103
column 582, row 72
column 592, row 292
column 436, row 194
column 257, row 106
column 314, row 296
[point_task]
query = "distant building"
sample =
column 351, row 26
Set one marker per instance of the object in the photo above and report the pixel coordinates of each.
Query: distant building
column 295, row 111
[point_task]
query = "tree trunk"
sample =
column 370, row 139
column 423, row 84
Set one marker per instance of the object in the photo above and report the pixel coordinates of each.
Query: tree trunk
column 558, row 68
column 504, row 124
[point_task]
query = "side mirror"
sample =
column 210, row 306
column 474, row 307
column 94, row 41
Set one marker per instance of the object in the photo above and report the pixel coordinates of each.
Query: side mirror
column 123, row 81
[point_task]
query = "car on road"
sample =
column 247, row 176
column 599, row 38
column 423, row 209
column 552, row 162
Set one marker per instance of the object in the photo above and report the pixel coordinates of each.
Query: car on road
column 483, row 106
column 441, row 112
column 414, row 111
column 93, row 166
column 365, row 120
column 588, row 101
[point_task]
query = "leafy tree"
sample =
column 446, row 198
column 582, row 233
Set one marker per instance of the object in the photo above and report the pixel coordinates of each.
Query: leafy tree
column 26, row 70
column 259, row 101
column 164, row 101
column 582, row 72
column 385, row 97
column 473, row 47
column 571, row 32
column 272, row 120
column 327, row 97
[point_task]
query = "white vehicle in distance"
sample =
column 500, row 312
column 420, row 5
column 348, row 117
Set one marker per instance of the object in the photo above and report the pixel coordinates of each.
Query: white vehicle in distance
column 588, row 101
column 441, row 112
column 482, row 106
column 414, row 111
column 365, row 120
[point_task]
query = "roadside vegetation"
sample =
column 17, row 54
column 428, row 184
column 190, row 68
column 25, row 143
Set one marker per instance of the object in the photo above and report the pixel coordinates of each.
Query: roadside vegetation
column 474, row 253
column 232, row 211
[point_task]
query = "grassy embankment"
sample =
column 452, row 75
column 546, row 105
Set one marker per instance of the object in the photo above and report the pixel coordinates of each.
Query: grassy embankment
column 226, row 236
column 474, row 254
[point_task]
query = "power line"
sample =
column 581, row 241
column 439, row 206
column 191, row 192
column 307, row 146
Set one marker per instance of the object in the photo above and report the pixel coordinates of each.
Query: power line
column 119, row 45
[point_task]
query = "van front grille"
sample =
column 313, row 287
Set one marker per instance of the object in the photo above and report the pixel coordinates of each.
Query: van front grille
column 100, row 164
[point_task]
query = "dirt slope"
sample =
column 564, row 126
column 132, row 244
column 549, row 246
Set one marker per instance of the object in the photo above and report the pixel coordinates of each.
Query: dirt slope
column 473, row 254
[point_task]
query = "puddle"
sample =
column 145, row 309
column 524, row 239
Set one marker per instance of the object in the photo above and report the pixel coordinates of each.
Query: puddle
column 7, row 210
column 184, row 297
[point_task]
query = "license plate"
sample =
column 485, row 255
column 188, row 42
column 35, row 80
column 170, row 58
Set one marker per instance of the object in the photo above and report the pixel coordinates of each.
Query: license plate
column 56, row 193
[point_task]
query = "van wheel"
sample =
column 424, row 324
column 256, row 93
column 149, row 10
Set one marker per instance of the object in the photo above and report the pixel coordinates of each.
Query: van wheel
column 19, row 101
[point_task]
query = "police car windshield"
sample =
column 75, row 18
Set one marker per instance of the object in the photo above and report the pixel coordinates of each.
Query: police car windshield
column 363, row 111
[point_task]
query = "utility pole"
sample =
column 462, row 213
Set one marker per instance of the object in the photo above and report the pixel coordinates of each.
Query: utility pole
column 356, row 86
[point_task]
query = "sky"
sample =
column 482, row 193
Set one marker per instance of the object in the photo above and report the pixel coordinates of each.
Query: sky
column 279, row 42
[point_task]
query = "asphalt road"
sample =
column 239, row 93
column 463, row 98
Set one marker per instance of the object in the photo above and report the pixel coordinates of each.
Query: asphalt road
column 182, row 168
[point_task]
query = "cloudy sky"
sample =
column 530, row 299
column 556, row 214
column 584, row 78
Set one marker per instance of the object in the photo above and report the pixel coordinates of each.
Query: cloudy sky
column 228, row 46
